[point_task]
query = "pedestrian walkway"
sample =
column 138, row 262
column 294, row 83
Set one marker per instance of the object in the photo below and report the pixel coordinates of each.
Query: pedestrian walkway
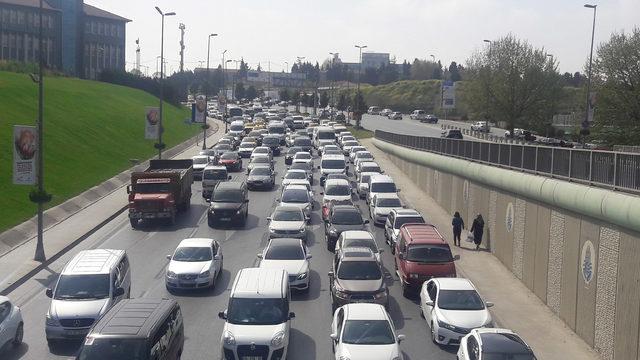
column 71, row 222
column 516, row 307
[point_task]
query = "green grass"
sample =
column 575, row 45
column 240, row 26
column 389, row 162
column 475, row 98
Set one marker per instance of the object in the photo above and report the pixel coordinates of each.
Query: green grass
column 91, row 130
column 361, row 133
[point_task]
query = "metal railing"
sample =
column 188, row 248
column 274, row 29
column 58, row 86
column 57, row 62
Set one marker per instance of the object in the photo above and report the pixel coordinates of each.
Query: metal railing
column 607, row 169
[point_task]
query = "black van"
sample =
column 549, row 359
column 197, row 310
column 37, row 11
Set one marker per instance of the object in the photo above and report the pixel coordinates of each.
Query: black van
column 136, row 329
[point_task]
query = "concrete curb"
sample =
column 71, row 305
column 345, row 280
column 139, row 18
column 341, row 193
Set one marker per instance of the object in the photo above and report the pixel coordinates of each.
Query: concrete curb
column 21, row 234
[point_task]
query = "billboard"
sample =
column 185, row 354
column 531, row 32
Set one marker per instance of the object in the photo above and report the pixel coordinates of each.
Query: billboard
column 152, row 123
column 25, row 148
column 200, row 111
column 448, row 95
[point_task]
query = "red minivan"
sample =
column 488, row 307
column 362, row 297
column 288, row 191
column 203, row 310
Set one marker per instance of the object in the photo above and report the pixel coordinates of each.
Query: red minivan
column 421, row 254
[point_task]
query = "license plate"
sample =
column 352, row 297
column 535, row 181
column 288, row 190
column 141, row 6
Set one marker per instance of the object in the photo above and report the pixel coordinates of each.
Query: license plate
column 225, row 219
column 76, row 332
column 252, row 358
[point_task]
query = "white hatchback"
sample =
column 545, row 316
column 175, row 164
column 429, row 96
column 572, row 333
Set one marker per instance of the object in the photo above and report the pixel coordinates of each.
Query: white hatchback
column 364, row 331
column 196, row 263
column 11, row 324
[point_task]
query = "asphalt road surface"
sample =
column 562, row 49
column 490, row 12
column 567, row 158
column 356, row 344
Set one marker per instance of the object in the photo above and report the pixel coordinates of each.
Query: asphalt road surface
column 148, row 246
column 415, row 127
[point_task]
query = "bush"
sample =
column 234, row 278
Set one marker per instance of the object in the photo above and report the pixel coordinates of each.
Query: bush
column 150, row 85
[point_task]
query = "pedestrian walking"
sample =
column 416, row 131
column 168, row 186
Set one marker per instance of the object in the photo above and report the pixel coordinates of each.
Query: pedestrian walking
column 458, row 226
column 477, row 228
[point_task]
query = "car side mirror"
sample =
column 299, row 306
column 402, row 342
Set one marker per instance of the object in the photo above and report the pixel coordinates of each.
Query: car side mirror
column 229, row 177
column 292, row 315
column 322, row 193
column 307, row 218
column 381, row 171
column 49, row 293
column 331, row 274
column 334, row 337
column 429, row 303
column 217, row 257
column 401, row 256
column 318, row 166
column 398, row 190
column 309, row 257
column 400, row 338
column 128, row 189
column 246, row 200
column 381, row 251
column 118, row 292
column 168, row 257
column 222, row 315
column 366, row 221
column 207, row 200
column 456, row 257
column 269, row 218
column 489, row 304
column 259, row 256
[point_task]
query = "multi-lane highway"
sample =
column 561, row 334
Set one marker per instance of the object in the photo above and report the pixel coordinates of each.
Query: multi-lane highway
column 148, row 246
column 414, row 127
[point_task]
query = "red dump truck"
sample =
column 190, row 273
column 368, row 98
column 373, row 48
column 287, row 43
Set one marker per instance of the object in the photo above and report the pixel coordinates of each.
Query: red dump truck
column 160, row 191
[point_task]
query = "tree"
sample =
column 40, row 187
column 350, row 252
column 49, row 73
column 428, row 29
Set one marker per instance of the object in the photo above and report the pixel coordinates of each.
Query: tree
column 284, row 95
column 454, row 72
column 239, row 91
column 295, row 98
column 359, row 108
column 251, row 93
column 324, row 99
column 342, row 102
column 513, row 82
column 616, row 80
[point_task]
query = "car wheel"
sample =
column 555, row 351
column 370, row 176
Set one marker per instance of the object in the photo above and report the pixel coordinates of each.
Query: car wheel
column 17, row 338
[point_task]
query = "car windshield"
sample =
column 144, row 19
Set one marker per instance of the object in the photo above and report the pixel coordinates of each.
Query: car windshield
column 368, row 243
column 350, row 143
column 347, row 217
column 383, row 187
column 230, row 196
column 337, row 190
column 109, row 348
column 276, row 130
column 151, row 188
column 199, row 160
column 355, row 149
column 371, row 168
column 364, row 179
column 285, row 253
column 304, row 156
column 302, row 142
column 215, row 174
column 288, row 215
column 459, row 300
column 393, row 202
column 257, row 311
column 367, row 332
column 236, row 127
column 260, row 160
column 192, row 254
column 261, row 171
column 220, row 147
column 88, row 287
column 229, row 156
column 359, row 270
column 294, row 150
column 296, row 175
column 300, row 166
column 429, row 253
column 270, row 141
column 247, row 145
column 333, row 164
column 401, row 220
column 261, row 150
column 326, row 135
column 295, row 196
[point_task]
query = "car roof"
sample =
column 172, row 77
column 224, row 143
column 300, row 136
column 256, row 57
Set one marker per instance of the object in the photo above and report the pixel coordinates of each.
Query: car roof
column 132, row 318
column 196, row 242
column 260, row 282
column 295, row 187
column 215, row 167
column 200, row 157
column 381, row 178
column 356, row 253
column 284, row 242
column 368, row 163
column 407, row 212
column 296, row 170
column 345, row 208
column 306, row 153
column 422, row 234
column 363, row 152
column 454, row 284
column 94, row 261
column 357, row 234
column 262, row 148
column 231, row 185
column 503, row 342
column 287, row 208
column 386, row 196
column 337, row 182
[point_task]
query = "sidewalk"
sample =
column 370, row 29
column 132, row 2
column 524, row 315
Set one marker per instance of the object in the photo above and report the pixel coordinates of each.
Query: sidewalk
column 72, row 221
column 516, row 307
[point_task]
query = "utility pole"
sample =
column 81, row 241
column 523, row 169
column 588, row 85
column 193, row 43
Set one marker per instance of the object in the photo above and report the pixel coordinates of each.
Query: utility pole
column 585, row 124
column 138, row 55
column 358, row 96
column 41, row 197
column 206, row 94
column 269, row 82
column 160, row 145
column 182, row 27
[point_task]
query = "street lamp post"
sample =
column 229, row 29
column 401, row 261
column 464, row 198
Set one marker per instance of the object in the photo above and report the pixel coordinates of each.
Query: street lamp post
column 224, row 94
column 357, row 106
column 360, row 47
column 233, row 81
column 39, row 253
column 206, row 94
column 160, row 145
column 300, row 58
column 585, row 123
column 333, row 74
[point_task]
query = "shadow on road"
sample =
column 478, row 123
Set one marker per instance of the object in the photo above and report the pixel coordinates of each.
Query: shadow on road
column 13, row 353
column 305, row 346
column 314, row 288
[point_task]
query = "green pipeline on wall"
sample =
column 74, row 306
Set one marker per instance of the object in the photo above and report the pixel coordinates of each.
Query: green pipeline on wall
column 602, row 204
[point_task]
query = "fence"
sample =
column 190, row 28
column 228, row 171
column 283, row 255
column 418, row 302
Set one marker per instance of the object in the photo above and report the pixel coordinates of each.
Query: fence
column 612, row 170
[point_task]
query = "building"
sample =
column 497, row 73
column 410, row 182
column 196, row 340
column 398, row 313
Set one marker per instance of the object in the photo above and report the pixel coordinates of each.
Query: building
column 79, row 39
column 371, row 60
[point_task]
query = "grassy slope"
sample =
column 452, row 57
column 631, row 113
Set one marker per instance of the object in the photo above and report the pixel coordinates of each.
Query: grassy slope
column 92, row 129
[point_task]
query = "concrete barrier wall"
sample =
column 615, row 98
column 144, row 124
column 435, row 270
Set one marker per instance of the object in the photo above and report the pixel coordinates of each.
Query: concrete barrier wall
column 577, row 248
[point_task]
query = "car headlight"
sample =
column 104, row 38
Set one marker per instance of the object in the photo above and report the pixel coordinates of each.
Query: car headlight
column 339, row 292
column 171, row 274
column 228, row 338
column 51, row 321
column 443, row 324
column 303, row 276
column 278, row 339
column 303, row 229
column 238, row 212
column 205, row 274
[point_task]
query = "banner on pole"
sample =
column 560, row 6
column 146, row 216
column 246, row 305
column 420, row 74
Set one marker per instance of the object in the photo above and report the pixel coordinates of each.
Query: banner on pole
column 25, row 148
column 448, row 95
column 152, row 123
column 200, row 113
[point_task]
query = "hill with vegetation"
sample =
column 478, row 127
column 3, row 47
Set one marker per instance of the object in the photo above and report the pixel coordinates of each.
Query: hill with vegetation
column 91, row 130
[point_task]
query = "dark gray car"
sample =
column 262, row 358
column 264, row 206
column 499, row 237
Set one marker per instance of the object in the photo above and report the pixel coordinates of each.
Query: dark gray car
column 261, row 177
column 342, row 218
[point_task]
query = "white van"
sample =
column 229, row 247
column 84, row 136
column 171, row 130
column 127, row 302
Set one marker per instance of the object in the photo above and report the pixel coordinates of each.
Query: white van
column 331, row 164
column 323, row 135
column 257, row 320
column 88, row 286
column 380, row 184
column 236, row 128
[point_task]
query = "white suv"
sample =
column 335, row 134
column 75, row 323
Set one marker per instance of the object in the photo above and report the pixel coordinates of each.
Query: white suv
column 258, row 318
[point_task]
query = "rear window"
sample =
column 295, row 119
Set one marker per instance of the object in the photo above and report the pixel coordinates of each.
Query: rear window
column 236, row 127
column 383, row 187
column 326, row 135
column 302, row 142
column 429, row 253
column 215, row 174
column 333, row 164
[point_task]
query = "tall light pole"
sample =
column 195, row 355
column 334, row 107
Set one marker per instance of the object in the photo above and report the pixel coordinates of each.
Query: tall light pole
column 206, row 94
column 160, row 145
column 333, row 72
column 286, row 69
column 585, row 123
column 358, row 96
column 433, row 57
column 233, row 81
column 299, row 58
column 360, row 47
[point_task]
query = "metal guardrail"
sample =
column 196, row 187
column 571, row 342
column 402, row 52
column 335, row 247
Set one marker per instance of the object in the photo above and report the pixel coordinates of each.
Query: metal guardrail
column 606, row 169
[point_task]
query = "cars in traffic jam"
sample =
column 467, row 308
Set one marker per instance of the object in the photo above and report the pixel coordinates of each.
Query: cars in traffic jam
column 356, row 208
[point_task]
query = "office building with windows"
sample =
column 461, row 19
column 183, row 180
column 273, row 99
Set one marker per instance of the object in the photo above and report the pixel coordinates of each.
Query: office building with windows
column 79, row 39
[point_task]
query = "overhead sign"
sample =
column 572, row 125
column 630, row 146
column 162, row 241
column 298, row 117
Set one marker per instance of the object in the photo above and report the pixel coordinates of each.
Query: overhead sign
column 448, row 95
column 152, row 122
column 200, row 110
column 25, row 148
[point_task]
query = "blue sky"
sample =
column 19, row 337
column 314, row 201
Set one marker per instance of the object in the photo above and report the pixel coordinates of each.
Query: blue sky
column 280, row 30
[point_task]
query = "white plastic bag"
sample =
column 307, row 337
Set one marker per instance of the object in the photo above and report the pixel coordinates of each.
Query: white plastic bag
column 470, row 237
